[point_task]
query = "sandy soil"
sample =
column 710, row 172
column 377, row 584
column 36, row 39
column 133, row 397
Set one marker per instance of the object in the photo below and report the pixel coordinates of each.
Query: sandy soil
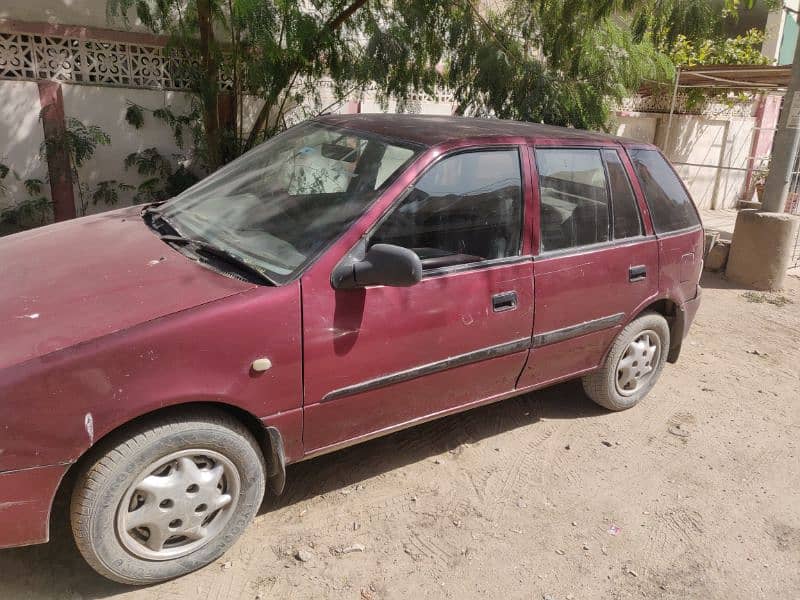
column 693, row 494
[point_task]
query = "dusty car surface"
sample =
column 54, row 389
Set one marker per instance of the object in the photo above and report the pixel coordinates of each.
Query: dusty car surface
column 353, row 276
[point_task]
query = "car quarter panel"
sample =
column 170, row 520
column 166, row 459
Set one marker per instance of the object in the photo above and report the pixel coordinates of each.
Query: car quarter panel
column 55, row 407
column 681, row 264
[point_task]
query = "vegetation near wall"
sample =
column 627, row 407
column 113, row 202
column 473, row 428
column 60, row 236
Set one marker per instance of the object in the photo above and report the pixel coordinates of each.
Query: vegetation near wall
column 562, row 62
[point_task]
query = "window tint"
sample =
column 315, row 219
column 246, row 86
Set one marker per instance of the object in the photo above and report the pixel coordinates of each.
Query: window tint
column 465, row 209
column 670, row 205
column 623, row 203
column 574, row 198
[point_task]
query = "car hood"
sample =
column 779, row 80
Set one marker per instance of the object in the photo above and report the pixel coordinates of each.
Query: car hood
column 75, row 281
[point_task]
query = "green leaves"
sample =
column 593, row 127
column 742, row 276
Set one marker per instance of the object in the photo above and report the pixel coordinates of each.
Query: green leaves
column 161, row 180
column 33, row 186
column 134, row 115
column 108, row 192
column 740, row 50
column 79, row 141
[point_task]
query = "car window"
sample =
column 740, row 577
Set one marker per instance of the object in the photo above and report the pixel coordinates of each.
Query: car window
column 624, row 209
column 573, row 198
column 670, row 206
column 466, row 208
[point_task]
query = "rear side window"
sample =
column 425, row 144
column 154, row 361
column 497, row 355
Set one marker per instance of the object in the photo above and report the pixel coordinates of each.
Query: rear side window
column 574, row 198
column 624, row 208
column 670, row 205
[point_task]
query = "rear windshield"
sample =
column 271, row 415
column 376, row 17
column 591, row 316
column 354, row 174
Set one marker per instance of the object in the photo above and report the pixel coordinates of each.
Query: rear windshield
column 670, row 205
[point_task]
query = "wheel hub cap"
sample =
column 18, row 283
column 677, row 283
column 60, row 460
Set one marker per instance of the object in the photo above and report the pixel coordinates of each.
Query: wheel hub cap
column 178, row 504
column 638, row 363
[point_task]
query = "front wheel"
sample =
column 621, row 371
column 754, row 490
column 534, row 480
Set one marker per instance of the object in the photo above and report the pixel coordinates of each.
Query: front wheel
column 633, row 365
column 167, row 498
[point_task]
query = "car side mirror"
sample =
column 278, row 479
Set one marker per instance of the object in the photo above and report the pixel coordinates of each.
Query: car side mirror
column 383, row 264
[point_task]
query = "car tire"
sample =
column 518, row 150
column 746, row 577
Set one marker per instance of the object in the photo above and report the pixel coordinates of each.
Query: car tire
column 632, row 366
column 168, row 497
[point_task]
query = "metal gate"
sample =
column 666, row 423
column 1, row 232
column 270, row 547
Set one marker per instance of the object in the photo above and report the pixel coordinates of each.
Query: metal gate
column 793, row 206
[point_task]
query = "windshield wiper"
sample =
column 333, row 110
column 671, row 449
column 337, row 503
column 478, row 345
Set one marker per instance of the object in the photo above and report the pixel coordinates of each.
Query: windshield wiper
column 220, row 253
column 158, row 220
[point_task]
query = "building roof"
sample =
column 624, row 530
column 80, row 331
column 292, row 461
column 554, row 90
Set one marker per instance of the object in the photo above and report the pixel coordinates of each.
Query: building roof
column 736, row 77
column 435, row 129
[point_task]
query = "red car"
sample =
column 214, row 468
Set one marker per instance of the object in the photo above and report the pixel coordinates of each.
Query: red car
column 352, row 276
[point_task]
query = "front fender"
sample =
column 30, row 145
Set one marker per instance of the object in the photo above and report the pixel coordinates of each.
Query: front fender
column 53, row 408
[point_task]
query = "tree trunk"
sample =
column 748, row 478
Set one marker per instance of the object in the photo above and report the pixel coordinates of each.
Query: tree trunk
column 210, row 86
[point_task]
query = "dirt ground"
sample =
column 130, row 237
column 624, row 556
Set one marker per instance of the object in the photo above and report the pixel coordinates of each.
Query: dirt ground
column 693, row 494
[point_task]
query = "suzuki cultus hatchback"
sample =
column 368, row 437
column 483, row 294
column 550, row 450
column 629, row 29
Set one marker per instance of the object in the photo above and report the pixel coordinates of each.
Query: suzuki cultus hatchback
column 350, row 277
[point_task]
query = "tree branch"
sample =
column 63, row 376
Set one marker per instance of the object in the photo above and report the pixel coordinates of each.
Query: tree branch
column 336, row 22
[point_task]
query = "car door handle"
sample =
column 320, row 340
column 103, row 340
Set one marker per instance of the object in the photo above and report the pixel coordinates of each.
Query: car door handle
column 505, row 301
column 637, row 273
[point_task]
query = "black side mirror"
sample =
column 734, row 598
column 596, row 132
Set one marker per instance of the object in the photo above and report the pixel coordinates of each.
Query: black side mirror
column 383, row 264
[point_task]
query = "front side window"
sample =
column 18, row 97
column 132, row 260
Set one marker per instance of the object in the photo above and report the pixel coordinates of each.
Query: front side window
column 279, row 205
column 465, row 209
column 670, row 205
column 573, row 198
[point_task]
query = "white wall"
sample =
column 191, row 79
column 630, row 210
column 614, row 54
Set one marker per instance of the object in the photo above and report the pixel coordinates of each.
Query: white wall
column 105, row 107
column 21, row 135
column 705, row 140
column 637, row 126
column 716, row 141
column 87, row 13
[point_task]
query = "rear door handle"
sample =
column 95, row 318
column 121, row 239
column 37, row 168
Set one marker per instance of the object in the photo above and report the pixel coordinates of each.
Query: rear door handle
column 504, row 301
column 637, row 273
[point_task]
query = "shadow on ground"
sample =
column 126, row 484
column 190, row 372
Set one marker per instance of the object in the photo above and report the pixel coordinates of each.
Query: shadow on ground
column 56, row 569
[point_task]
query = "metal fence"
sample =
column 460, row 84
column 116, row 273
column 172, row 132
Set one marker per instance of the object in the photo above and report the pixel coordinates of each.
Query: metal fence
column 793, row 206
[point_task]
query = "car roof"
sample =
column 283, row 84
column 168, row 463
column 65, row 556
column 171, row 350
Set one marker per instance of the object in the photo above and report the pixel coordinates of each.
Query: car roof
column 431, row 130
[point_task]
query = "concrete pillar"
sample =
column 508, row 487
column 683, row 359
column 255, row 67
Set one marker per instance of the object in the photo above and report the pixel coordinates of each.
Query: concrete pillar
column 59, row 167
column 761, row 249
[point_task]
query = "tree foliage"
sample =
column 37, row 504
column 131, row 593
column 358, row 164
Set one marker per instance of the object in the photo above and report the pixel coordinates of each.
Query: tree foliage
column 555, row 61
column 740, row 50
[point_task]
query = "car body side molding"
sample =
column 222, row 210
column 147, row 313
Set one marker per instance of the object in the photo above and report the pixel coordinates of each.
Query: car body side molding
column 541, row 339
column 565, row 333
column 430, row 368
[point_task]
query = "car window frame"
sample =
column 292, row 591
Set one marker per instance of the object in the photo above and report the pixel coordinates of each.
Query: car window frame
column 522, row 256
column 634, row 196
column 612, row 241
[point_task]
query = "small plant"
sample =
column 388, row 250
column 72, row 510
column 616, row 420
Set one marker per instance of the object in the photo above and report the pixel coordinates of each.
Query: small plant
column 108, row 192
column 79, row 142
column 162, row 180
column 33, row 211
column 4, row 172
column 761, row 298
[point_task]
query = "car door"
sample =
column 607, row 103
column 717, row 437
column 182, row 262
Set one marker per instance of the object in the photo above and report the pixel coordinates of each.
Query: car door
column 379, row 358
column 597, row 262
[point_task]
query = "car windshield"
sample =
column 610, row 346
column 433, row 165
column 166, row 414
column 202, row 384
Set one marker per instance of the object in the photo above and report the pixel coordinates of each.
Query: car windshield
column 281, row 204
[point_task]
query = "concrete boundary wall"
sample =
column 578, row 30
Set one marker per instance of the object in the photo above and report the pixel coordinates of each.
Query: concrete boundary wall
column 716, row 152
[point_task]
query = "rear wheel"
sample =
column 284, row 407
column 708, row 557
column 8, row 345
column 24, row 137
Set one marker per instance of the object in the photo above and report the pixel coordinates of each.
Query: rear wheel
column 167, row 498
column 633, row 365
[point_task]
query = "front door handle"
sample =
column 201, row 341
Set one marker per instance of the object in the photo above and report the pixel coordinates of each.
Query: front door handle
column 637, row 273
column 505, row 301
